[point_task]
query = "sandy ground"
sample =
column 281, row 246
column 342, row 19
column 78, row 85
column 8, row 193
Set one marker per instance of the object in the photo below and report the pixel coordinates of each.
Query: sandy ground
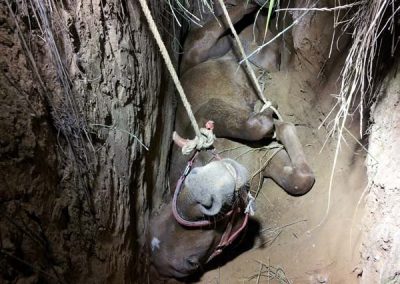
column 295, row 234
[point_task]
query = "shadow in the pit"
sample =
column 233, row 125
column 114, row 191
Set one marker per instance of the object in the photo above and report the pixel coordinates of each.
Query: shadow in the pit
column 239, row 246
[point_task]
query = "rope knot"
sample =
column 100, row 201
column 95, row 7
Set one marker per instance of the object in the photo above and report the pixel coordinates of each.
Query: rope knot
column 204, row 141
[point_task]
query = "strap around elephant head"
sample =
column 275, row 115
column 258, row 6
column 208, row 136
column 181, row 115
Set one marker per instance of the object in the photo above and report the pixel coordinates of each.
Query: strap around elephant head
column 178, row 189
column 229, row 234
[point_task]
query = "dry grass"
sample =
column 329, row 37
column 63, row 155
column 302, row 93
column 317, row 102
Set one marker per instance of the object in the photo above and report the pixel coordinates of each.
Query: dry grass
column 270, row 234
column 357, row 90
column 267, row 272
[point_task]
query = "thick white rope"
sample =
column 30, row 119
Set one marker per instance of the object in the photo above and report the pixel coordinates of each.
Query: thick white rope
column 267, row 104
column 242, row 52
column 204, row 137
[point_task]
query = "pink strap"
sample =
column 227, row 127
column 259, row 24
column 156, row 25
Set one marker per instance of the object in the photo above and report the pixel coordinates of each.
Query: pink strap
column 228, row 238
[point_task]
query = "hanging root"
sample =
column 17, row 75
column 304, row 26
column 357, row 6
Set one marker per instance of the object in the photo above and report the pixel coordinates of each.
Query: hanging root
column 63, row 109
column 182, row 10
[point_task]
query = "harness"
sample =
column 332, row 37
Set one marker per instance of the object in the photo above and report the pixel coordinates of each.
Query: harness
column 229, row 234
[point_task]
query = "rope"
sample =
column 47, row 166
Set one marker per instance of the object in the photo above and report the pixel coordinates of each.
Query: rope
column 251, row 205
column 204, row 137
column 267, row 104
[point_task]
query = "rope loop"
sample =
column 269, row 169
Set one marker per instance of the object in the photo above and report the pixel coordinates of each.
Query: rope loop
column 266, row 106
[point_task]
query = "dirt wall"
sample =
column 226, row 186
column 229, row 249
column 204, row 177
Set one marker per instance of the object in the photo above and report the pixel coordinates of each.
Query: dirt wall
column 380, row 252
column 79, row 80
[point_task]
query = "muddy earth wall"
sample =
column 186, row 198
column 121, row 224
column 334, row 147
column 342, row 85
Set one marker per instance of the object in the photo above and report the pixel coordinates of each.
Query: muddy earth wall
column 380, row 251
column 81, row 82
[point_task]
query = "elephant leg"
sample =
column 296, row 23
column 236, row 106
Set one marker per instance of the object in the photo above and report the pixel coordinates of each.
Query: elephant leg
column 289, row 167
column 236, row 122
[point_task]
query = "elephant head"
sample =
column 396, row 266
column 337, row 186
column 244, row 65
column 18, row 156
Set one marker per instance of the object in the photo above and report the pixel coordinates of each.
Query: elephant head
column 207, row 192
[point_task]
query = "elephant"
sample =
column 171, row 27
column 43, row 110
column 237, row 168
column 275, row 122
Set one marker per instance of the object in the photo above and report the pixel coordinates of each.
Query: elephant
column 209, row 203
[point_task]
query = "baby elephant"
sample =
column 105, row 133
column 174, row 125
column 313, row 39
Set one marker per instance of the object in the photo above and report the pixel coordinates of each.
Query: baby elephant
column 206, row 213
